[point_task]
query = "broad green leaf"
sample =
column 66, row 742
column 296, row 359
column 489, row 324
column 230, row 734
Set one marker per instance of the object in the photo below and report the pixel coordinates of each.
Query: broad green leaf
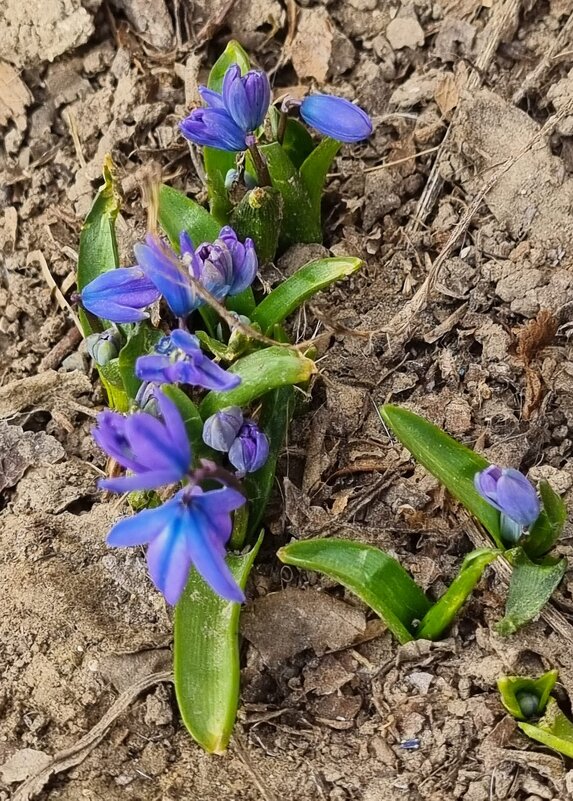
column 98, row 245
column 191, row 417
column 244, row 303
column 206, row 657
column 274, row 419
column 111, row 379
column 298, row 144
column 315, row 169
column 259, row 216
column 219, row 162
column 301, row 223
column 442, row 614
column 177, row 212
column 141, row 341
column 548, row 527
column 448, row 460
column 261, row 372
column 376, row 578
column 238, row 345
column 512, row 687
column 530, row 587
column 554, row 730
column 293, row 292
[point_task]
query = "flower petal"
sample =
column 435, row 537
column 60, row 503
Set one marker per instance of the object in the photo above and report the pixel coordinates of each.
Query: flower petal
column 209, row 561
column 152, row 479
column 141, row 528
column 164, row 269
column 168, row 558
column 213, row 127
column 336, row 117
column 517, row 497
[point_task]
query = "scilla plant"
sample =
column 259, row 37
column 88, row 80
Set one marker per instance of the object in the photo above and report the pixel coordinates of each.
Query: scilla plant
column 198, row 370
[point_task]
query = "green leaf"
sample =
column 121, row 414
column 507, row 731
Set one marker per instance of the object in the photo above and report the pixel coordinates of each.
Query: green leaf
column 298, row 144
column 547, row 529
column 244, row 303
column 260, row 372
column 315, row 169
column 111, row 379
column 259, row 215
column 219, row 162
column 142, row 341
column 191, row 417
column 376, row 578
column 554, row 730
column 206, row 657
column 177, row 212
column 98, row 245
column 274, row 419
column 293, row 292
column 442, row 614
column 511, row 687
column 530, row 588
column 301, row 223
column 448, row 460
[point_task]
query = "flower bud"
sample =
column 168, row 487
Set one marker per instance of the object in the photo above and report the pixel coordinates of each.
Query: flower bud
column 508, row 491
column 528, row 703
column 250, row 450
column 104, row 347
column 221, row 429
column 336, row 117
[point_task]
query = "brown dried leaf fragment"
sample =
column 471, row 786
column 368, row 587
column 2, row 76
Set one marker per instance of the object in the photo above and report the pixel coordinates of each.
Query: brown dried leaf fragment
column 447, row 95
column 535, row 335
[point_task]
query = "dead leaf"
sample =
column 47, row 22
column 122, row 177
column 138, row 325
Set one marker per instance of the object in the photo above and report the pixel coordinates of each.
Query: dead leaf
column 446, row 94
column 311, row 48
column 533, row 393
column 305, row 619
column 19, row 449
column 535, row 335
column 14, row 97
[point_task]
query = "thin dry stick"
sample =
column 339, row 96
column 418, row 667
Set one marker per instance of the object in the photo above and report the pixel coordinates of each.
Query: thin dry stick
column 501, row 18
column 400, row 323
column 75, row 755
column 535, row 77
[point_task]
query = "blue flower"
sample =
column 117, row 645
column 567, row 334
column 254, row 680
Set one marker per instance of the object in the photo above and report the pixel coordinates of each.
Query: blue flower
column 232, row 115
column 221, row 429
column 191, row 529
column 179, row 360
column 244, row 256
column 247, row 98
column 335, row 117
column 250, row 450
column 169, row 273
column 508, row 491
column 156, row 452
column 120, row 295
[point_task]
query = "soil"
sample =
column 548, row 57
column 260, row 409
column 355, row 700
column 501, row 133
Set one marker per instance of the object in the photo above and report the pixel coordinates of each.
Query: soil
column 462, row 206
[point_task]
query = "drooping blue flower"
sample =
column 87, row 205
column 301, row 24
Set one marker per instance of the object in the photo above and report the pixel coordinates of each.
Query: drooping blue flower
column 120, row 295
column 169, row 273
column 178, row 359
column 250, row 450
column 221, row 429
column 213, row 127
column 246, row 98
column 510, row 492
column 157, row 452
column 191, row 529
column 336, row 117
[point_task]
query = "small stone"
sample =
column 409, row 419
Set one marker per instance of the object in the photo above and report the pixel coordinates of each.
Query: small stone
column 405, row 31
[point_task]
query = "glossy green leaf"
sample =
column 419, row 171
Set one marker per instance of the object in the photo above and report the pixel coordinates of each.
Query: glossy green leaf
column 219, row 162
column 261, row 372
column 512, row 687
column 141, row 341
column 301, row 223
column 98, row 245
column 530, row 587
column 206, row 657
column 244, row 303
column 177, row 212
column 298, row 144
column 274, row 419
column 554, row 730
column 441, row 615
column 548, row 527
column 376, row 578
column 110, row 376
column 293, row 292
column 449, row 461
column 315, row 169
column 259, row 216
column 191, row 417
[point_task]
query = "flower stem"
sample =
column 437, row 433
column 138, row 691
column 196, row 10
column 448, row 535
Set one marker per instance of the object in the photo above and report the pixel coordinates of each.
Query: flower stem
column 259, row 162
column 281, row 130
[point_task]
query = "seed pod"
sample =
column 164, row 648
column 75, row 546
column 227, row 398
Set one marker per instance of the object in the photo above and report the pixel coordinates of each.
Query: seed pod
column 259, row 216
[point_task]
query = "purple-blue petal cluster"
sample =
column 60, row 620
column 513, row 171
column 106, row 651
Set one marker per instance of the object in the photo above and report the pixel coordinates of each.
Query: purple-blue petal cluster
column 120, row 295
column 510, row 492
column 336, row 117
column 178, row 359
column 229, row 432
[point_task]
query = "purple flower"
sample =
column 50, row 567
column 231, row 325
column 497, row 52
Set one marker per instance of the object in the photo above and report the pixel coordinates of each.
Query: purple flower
column 244, row 256
column 120, row 295
column 508, row 491
column 335, row 117
column 191, row 529
column 157, row 452
column 212, row 266
column 213, row 127
column 168, row 272
column 178, row 359
column 250, row 450
column 221, row 429
column 246, row 99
